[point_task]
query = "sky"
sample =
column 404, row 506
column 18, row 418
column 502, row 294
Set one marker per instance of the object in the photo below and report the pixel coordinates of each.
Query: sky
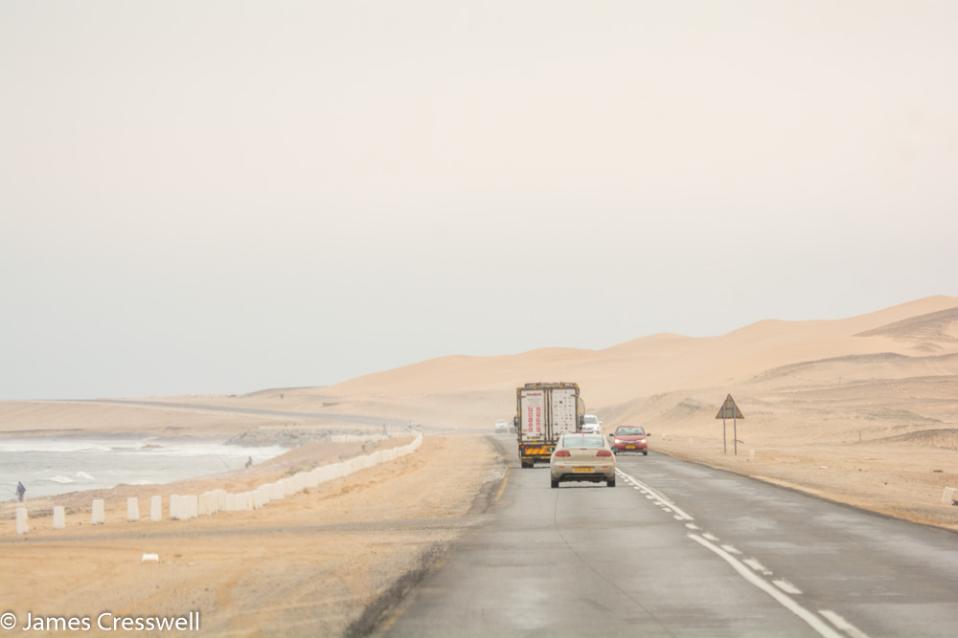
column 223, row 196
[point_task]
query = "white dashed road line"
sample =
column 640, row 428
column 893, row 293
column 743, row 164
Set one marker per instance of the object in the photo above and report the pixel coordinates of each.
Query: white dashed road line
column 652, row 493
column 779, row 589
column 786, row 586
column 757, row 566
column 843, row 624
column 783, row 599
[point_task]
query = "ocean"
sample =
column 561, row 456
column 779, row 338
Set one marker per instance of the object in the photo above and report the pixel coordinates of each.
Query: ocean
column 56, row 466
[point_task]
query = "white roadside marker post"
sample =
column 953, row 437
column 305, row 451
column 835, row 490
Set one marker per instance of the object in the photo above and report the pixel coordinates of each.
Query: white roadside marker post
column 132, row 508
column 179, row 507
column 156, row 507
column 22, row 526
column 59, row 517
column 98, row 512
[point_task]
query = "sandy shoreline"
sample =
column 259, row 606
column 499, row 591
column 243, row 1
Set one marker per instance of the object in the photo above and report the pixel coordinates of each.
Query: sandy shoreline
column 307, row 565
column 300, row 459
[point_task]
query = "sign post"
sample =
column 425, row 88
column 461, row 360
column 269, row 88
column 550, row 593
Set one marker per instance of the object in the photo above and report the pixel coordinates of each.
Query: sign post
column 730, row 411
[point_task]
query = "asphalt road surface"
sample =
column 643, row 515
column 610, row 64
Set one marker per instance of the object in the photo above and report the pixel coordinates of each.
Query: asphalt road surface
column 678, row 549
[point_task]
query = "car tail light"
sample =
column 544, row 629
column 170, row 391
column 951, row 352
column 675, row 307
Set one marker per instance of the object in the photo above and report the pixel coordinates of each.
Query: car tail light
column 603, row 453
column 563, row 453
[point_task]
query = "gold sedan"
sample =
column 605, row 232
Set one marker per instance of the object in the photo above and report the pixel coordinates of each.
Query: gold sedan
column 582, row 457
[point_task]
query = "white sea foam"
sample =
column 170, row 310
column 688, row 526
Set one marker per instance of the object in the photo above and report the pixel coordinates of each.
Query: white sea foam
column 58, row 445
column 213, row 449
column 49, row 466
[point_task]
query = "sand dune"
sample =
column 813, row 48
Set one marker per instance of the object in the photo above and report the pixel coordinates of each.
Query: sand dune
column 666, row 363
column 928, row 331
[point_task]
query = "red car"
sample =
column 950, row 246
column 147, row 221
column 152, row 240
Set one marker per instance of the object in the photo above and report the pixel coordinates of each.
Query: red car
column 629, row 438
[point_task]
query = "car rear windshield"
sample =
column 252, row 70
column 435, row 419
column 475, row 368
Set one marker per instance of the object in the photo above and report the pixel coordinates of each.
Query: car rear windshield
column 630, row 431
column 583, row 441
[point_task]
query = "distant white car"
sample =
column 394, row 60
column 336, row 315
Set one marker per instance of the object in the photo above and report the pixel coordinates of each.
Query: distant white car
column 503, row 427
column 591, row 424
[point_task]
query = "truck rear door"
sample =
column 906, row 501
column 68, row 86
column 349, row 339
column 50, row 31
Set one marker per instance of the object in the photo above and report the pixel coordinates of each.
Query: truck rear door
column 563, row 408
column 532, row 410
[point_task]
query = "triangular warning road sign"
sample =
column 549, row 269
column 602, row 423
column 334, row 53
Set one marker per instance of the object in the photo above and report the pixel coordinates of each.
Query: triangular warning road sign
column 729, row 410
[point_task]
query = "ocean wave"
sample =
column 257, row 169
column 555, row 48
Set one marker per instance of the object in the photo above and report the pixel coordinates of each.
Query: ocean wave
column 59, row 478
column 52, row 446
column 215, row 449
column 84, row 475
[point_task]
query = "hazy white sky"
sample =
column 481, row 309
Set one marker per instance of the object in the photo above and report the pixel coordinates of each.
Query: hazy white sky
column 224, row 196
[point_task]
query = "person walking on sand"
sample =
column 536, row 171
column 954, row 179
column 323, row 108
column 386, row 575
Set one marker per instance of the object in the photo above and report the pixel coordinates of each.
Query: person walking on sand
column 249, row 462
column 21, row 490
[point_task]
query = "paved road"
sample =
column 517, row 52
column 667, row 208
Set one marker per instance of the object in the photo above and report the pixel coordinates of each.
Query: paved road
column 685, row 551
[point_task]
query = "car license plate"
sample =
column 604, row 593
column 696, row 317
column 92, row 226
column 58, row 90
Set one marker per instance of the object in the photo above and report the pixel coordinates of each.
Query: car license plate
column 583, row 470
column 630, row 447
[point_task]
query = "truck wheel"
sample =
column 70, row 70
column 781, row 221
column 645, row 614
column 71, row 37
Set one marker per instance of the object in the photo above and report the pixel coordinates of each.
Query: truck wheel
column 555, row 483
column 610, row 483
column 527, row 464
column 646, row 453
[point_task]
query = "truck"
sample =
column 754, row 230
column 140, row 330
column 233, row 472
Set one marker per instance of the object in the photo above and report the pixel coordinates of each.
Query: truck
column 544, row 412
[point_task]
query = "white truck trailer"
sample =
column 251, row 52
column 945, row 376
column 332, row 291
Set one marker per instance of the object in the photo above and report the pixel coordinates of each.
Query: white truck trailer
column 544, row 412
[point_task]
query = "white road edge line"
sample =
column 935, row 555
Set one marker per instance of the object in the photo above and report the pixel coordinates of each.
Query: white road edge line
column 685, row 515
column 692, row 526
column 783, row 599
column 730, row 549
column 786, row 586
column 842, row 624
column 710, row 536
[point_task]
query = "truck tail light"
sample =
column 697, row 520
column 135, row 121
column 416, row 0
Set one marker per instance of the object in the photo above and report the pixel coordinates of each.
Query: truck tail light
column 563, row 453
column 603, row 453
